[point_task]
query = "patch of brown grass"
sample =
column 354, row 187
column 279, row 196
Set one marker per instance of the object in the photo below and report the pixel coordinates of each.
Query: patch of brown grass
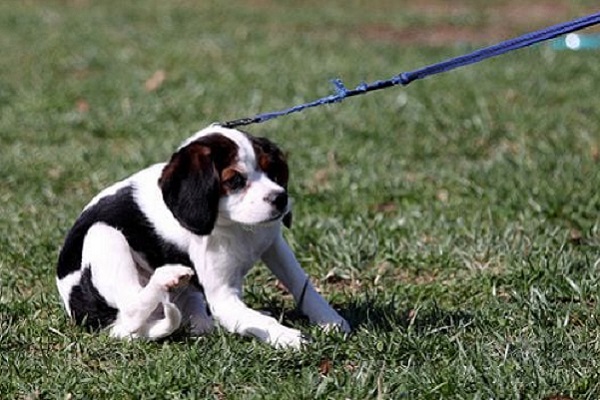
column 478, row 24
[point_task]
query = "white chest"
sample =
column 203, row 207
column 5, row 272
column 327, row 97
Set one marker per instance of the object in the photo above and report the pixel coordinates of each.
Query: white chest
column 228, row 253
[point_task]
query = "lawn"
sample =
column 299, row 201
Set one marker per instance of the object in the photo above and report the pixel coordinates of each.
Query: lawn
column 455, row 223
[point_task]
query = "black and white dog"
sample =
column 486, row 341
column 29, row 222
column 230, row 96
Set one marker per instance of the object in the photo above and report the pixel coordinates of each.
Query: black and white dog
column 206, row 216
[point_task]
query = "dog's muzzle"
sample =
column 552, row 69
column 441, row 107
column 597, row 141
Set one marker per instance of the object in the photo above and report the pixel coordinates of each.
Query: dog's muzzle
column 279, row 201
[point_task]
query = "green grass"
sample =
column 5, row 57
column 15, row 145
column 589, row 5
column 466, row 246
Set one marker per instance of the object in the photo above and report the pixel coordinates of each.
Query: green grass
column 455, row 223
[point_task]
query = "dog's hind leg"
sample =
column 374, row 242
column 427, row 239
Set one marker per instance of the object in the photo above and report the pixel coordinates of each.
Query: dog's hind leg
column 117, row 278
column 136, row 318
column 194, row 309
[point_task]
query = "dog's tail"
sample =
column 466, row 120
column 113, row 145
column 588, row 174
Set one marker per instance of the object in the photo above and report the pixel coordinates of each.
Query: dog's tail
column 160, row 328
column 152, row 329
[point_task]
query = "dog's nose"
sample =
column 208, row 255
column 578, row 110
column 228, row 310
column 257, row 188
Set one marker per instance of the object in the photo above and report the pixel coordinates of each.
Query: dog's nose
column 279, row 200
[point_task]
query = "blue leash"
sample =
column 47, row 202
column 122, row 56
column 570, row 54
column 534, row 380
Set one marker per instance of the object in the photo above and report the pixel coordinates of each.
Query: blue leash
column 407, row 77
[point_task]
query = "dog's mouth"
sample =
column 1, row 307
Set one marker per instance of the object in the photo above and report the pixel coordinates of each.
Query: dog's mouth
column 281, row 215
column 250, row 220
column 278, row 214
column 275, row 218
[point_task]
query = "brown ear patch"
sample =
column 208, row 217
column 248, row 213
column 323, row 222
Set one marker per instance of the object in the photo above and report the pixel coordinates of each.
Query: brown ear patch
column 223, row 151
column 271, row 160
column 186, row 160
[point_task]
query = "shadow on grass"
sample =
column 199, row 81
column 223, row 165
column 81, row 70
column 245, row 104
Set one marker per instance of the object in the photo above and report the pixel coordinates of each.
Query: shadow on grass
column 366, row 314
column 372, row 315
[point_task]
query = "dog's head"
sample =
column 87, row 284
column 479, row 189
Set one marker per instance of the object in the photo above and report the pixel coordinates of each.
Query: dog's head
column 224, row 173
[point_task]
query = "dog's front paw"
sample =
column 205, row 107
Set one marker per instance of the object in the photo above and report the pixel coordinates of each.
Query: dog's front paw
column 330, row 321
column 284, row 338
column 172, row 276
column 338, row 325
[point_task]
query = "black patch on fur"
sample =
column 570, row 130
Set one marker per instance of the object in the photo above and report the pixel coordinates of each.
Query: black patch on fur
column 119, row 211
column 287, row 220
column 191, row 181
column 87, row 305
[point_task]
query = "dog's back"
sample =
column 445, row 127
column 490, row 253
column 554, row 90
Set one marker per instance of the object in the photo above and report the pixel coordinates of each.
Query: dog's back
column 119, row 210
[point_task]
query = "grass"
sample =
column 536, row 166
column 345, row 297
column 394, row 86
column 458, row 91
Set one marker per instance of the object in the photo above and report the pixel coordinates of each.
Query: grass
column 454, row 223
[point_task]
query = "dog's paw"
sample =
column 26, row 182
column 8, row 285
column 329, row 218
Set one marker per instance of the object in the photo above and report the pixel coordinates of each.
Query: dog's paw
column 172, row 276
column 339, row 325
column 120, row 331
column 287, row 338
column 200, row 326
column 331, row 321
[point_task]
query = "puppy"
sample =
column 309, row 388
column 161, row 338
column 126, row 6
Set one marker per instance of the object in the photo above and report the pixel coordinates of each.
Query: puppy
column 203, row 218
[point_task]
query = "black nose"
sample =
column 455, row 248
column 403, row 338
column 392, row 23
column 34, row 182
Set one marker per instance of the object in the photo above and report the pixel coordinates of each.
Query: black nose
column 279, row 200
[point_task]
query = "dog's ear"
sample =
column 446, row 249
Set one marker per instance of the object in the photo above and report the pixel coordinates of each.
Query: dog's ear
column 190, row 188
column 287, row 219
column 273, row 162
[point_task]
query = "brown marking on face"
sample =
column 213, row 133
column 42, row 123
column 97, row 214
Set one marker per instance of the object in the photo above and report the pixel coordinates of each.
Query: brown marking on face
column 232, row 180
column 228, row 173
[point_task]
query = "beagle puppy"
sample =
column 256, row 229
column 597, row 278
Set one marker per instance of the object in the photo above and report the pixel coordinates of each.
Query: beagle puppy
column 170, row 245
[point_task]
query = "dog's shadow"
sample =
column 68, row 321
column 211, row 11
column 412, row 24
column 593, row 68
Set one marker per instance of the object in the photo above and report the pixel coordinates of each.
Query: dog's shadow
column 373, row 315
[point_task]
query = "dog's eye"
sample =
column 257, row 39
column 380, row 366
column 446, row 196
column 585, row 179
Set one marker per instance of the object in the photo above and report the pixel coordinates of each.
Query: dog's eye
column 236, row 182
